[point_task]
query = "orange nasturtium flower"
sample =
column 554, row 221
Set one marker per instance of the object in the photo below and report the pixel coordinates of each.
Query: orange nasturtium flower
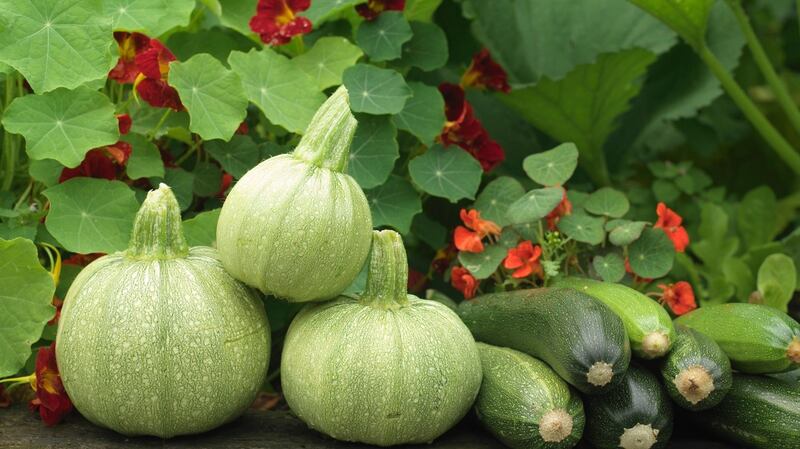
column 524, row 260
column 276, row 21
column 462, row 280
column 469, row 238
column 484, row 73
column 563, row 208
column 373, row 8
column 670, row 222
column 678, row 296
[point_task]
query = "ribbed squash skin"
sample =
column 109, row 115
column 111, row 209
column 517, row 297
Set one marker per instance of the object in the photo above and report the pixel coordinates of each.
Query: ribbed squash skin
column 643, row 317
column 382, row 369
column 759, row 412
column 693, row 350
column 517, row 390
column 755, row 337
column 161, row 345
column 296, row 225
column 567, row 329
column 639, row 399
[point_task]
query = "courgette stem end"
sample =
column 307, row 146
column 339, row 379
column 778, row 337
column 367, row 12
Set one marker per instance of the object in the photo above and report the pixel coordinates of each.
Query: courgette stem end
column 793, row 351
column 640, row 436
column 555, row 425
column 655, row 344
column 600, row 374
column 694, row 383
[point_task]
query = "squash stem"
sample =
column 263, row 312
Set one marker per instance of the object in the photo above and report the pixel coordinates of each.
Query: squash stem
column 326, row 142
column 387, row 278
column 158, row 230
column 793, row 351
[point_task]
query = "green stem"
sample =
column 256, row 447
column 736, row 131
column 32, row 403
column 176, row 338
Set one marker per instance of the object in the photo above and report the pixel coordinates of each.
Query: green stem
column 387, row 278
column 161, row 121
column 327, row 140
column 158, row 229
column 10, row 142
column 24, row 195
column 762, row 61
column 751, row 111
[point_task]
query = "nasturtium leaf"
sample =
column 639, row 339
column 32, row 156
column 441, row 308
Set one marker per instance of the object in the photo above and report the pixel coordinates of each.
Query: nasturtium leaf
column 145, row 159
column 151, row 17
column 89, row 215
column 427, row 48
column 582, row 228
column 213, row 5
column 583, row 106
column 607, row 201
column 429, row 231
column 664, row 190
column 321, row 10
column 374, row 90
column 688, row 18
column 495, row 199
column 756, row 216
column 423, row 114
column 667, row 169
column 777, row 279
column 237, row 156
column 207, row 179
column 651, row 256
column 327, row 60
column 54, row 44
column 236, row 14
column 382, row 39
column 421, row 9
column 446, row 172
column 373, row 151
column 552, row 167
column 63, row 124
column 46, row 171
column 218, row 42
column 26, row 294
column 287, row 95
column 201, row 230
column 625, row 233
column 483, row 264
column 10, row 231
column 394, row 203
column 535, row 205
column 740, row 275
column 211, row 93
column 182, row 184
column 577, row 199
column 610, row 267
column 150, row 121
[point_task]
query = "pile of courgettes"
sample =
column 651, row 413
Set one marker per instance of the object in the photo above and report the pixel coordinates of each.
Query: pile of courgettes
column 557, row 368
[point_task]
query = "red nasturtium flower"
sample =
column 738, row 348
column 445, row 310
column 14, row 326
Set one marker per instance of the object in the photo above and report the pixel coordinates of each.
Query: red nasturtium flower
column 484, row 73
column 151, row 83
column 82, row 259
column 464, row 130
column 444, row 256
column 104, row 162
column 670, row 222
column 563, row 208
column 416, row 281
column 51, row 399
column 678, row 296
column 524, row 260
column 469, row 238
column 225, row 183
column 462, row 280
column 276, row 21
column 372, row 8
column 57, row 303
column 130, row 45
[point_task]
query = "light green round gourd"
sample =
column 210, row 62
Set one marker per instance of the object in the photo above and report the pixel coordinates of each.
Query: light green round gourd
column 297, row 226
column 159, row 339
column 385, row 368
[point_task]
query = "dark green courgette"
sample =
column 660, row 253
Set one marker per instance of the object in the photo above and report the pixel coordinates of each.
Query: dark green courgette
column 578, row 336
column 697, row 373
column 759, row 412
column 525, row 404
column 637, row 414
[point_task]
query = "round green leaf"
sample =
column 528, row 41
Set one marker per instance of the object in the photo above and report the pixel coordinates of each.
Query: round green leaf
column 90, row 215
column 582, row 228
column 26, row 294
column 625, row 232
column 211, row 93
column 777, row 279
column 46, row 171
column 429, row 231
column 207, row 179
column 237, row 156
column 495, row 199
column 553, row 167
column 201, row 230
column 427, row 48
column 423, row 114
column 394, row 203
column 610, row 267
column 421, row 9
column 63, row 124
column 151, row 17
column 327, row 60
column 382, row 39
column 446, row 172
column 665, row 190
column 535, row 205
column 54, row 44
column 320, row 10
column 373, row 151
column 651, row 256
column 483, row 264
column 607, row 201
column 374, row 90
column 145, row 160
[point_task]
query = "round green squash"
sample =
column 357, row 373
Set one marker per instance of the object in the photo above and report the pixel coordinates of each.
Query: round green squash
column 159, row 339
column 297, row 226
column 384, row 368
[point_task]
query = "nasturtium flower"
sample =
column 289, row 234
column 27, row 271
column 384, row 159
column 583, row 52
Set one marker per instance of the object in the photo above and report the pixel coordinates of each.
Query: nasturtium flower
column 678, row 296
column 225, row 184
column 462, row 280
column 670, row 222
column 470, row 238
column 484, row 73
column 563, row 208
column 130, row 45
column 276, row 21
column 443, row 257
column 124, row 123
column 372, row 8
column 154, row 61
column 524, row 260
column 57, row 303
column 82, row 260
column 243, row 128
column 416, row 281
column 151, row 83
column 51, row 400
